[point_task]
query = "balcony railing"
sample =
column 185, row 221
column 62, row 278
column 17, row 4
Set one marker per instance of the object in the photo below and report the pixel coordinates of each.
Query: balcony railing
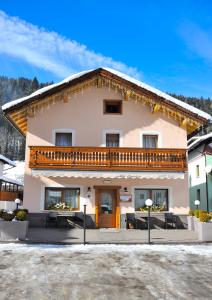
column 100, row 158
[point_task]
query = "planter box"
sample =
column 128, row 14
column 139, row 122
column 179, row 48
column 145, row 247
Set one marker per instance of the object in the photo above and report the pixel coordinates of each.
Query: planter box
column 190, row 220
column 196, row 222
column 204, row 231
column 10, row 231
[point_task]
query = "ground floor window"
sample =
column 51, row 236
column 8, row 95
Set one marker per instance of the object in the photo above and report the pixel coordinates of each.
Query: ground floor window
column 62, row 198
column 158, row 196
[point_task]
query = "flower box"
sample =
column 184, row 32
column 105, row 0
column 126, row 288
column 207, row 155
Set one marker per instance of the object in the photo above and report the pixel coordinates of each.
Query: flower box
column 204, row 231
column 13, row 230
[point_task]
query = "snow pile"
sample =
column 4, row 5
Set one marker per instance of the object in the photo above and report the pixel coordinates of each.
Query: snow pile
column 16, row 173
column 170, row 250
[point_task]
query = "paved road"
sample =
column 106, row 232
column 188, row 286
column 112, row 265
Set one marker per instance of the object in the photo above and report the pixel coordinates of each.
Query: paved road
column 102, row 272
column 73, row 236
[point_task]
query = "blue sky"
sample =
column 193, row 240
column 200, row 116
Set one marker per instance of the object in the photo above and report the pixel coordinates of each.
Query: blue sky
column 167, row 44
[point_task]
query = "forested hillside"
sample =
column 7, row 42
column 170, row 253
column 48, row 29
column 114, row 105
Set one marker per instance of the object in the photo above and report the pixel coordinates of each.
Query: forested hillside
column 12, row 144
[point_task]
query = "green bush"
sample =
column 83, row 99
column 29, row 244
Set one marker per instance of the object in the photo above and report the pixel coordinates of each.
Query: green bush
column 196, row 213
column 18, row 210
column 191, row 212
column 204, row 217
column 21, row 215
column 8, row 216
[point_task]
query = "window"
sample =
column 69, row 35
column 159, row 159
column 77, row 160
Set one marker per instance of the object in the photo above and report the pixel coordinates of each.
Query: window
column 112, row 107
column 62, row 198
column 197, row 171
column 63, row 139
column 150, row 141
column 112, row 140
column 198, row 194
column 158, row 196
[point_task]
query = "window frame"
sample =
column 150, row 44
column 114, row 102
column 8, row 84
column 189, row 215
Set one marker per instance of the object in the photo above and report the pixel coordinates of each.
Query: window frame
column 150, row 193
column 150, row 135
column 197, row 169
column 112, row 131
column 107, row 133
column 198, row 194
column 112, row 101
column 61, row 189
column 155, row 133
column 64, row 130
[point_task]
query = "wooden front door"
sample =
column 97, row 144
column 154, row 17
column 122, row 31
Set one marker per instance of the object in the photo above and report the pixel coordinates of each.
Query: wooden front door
column 107, row 205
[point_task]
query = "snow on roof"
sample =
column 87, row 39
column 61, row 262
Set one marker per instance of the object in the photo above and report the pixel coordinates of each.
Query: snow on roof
column 16, row 174
column 43, row 90
column 4, row 178
column 123, row 76
column 7, row 160
column 198, row 139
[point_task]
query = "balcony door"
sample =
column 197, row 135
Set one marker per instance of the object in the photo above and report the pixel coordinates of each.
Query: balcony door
column 107, row 207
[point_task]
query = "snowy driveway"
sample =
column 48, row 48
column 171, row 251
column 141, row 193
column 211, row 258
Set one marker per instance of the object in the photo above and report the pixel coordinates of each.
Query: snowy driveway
column 105, row 272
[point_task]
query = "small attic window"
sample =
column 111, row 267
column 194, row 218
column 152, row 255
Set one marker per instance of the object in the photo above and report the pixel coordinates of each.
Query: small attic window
column 112, row 107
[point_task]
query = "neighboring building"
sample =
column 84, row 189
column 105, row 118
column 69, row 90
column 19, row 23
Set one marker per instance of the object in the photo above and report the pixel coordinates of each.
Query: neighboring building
column 200, row 171
column 10, row 189
column 105, row 135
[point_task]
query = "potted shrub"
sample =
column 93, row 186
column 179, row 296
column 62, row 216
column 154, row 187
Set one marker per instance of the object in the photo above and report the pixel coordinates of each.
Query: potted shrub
column 13, row 225
column 204, row 227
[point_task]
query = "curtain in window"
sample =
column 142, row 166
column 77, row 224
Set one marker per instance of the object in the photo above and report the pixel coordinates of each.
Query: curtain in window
column 150, row 141
column 159, row 198
column 112, row 140
column 140, row 197
column 63, row 139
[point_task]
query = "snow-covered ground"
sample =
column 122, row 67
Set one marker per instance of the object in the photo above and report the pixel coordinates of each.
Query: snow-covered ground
column 105, row 272
column 15, row 173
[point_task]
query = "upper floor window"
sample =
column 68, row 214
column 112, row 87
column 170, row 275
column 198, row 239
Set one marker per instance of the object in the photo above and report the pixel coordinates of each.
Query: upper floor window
column 197, row 171
column 112, row 139
column 63, row 139
column 150, row 141
column 112, row 107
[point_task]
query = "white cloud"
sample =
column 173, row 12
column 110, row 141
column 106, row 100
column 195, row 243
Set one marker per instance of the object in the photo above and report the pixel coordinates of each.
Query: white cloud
column 50, row 51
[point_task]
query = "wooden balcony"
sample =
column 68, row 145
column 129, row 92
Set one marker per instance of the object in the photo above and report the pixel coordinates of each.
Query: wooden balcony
column 102, row 158
column 8, row 196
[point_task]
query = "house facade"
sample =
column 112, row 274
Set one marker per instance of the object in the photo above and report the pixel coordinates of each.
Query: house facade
column 106, row 139
column 200, row 171
column 10, row 189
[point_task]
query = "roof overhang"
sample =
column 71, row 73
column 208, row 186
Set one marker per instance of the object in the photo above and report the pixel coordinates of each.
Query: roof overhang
column 107, row 174
column 188, row 117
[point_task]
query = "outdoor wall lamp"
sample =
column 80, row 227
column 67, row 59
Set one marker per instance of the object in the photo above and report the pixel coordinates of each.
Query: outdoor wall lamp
column 148, row 203
column 17, row 202
column 89, row 192
column 125, row 190
column 197, row 203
